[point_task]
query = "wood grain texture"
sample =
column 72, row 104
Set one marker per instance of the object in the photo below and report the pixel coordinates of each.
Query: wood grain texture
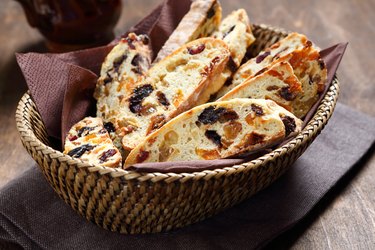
column 345, row 219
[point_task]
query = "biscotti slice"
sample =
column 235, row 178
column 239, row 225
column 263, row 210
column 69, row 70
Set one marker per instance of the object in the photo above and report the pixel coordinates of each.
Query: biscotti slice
column 306, row 62
column 202, row 19
column 171, row 86
column 89, row 141
column 292, row 42
column 123, row 67
column 277, row 83
column 217, row 130
column 311, row 70
column 235, row 30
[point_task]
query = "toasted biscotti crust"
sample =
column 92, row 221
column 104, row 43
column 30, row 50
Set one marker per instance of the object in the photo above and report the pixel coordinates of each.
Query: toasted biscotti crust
column 278, row 84
column 305, row 61
column 217, row 130
column 122, row 68
column 173, row 85
column 202, row 19
column 89, row 141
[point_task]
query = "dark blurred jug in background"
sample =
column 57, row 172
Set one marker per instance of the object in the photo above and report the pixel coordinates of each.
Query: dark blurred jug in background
column 73, row 24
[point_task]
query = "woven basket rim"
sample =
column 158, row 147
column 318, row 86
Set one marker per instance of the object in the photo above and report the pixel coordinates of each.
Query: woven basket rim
column 326, row 106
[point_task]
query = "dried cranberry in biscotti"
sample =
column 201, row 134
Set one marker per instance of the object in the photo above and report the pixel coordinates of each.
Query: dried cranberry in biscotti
column 142, row 156
column 196, row 49
column 261, row 57
column 105, row 155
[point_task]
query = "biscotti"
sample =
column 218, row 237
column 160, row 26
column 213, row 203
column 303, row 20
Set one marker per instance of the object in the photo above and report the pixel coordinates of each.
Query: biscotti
column 235, row 30
column 217, row 130
column 284, row 47
column 305, row 61
column 202, row 19
column 175, row 84
column 123, row 67
column 89, row 141
column 278, row 84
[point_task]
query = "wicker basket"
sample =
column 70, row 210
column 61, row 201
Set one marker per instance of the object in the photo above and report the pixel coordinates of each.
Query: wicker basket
column 131, row 202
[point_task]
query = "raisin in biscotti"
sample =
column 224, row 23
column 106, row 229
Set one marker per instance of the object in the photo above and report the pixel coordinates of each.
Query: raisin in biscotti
column 173, row 85
column 278, row 84
column 305, row 61
column 123, row 67
column 202, row 19
column 235, row 30
column 89, row 141
column 217, row 130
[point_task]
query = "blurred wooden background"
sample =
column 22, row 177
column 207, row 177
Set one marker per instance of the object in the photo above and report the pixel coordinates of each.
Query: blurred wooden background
column 345, row 219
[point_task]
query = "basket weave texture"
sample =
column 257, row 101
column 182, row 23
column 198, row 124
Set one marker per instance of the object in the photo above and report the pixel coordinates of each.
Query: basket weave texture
column 131, row 202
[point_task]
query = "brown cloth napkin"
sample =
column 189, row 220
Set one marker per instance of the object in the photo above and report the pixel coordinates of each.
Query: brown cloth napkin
column 34, row 217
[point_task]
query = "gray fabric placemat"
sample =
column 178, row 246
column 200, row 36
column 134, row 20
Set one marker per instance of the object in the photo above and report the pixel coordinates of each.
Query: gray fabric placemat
column 33, row 216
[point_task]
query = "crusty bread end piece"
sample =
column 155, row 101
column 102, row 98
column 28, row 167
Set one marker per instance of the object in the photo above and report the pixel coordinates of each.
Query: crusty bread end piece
column 217, row 130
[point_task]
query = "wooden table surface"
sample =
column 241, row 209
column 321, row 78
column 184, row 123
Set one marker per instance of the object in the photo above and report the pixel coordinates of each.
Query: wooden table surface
column 345, row 219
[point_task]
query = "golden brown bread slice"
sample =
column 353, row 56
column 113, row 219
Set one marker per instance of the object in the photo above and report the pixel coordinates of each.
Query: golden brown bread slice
column 202, row 19
column 122, row 68
column 277, row 83
column 217, row 130
column 305, row 61
column 177, row 83
column 89, row 141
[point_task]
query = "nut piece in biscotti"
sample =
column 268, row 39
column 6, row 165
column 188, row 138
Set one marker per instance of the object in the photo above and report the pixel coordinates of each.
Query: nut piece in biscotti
column 278, row 84
column 305, row 61
column 235, row 30
column 217, row 130
column 89, row 141
column 172, row 86
column 122, row 68
column 202, row 19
